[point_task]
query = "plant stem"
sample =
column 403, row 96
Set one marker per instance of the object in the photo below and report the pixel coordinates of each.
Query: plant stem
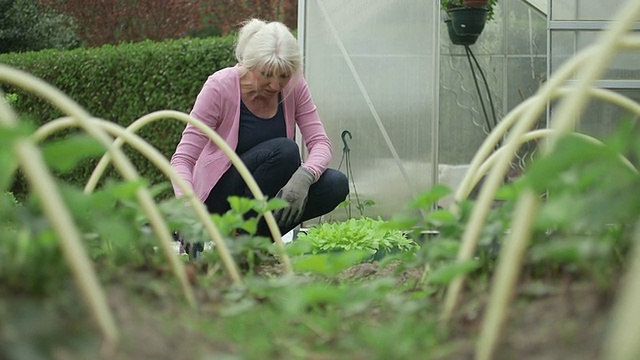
column 506, row 275
column 163, row 165
column 568, row 114
column 621, row 342
column 60, row 218
column 235, row 160
column 478, row 164
column 44, row 90
column 495, row 177
column 537, row 134
column 70, row 240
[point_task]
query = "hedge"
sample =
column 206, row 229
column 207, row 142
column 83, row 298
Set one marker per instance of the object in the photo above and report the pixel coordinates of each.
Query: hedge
column 121, row 83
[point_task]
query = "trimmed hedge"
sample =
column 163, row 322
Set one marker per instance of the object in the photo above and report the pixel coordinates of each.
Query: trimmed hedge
column 121, row 83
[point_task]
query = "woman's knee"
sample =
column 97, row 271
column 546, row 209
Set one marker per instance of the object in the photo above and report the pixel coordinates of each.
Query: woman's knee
column 343, row 185
column 279, row 155
column 287, row 148
column 339, row 183
column 325, row 195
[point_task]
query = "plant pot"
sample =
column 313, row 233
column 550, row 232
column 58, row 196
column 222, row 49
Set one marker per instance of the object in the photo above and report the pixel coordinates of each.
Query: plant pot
column 466, row 24
column 468, row 21
column 460, row 39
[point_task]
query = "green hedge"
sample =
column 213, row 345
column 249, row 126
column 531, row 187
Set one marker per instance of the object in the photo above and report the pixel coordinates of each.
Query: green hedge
column 122, row 83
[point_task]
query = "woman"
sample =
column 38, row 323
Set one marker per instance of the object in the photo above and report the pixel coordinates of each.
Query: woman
column 255, row 106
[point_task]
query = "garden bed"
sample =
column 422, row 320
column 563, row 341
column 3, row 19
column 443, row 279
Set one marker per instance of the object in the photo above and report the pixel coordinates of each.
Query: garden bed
column 550, row 320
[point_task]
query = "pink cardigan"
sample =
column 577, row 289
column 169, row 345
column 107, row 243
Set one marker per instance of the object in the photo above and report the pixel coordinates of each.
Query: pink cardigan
column 201, row 163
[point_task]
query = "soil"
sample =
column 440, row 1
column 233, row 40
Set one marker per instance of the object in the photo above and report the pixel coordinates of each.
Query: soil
column 547, row 321
column 559, row 323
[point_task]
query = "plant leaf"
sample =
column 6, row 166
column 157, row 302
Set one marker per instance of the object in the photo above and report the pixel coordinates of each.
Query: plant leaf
column 329, row 264
column 63, row 155
column 447, row 273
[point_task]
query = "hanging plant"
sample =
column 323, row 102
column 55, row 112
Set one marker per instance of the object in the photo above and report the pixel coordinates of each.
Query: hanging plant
column 489, row 5
column 467, row 18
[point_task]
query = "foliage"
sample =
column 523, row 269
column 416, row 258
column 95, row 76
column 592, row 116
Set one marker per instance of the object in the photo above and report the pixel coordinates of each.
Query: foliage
column 297, row 318
column 591, row 208
column 361, row 206
column 12, row 99
column 25, row 25
column 439, row 233
column 109, row 220
column 228, row 15
column 121, row 84
column 376, row 317
column 240, row 225
column 583, row 232
column 30, row 257
column 329, row 264
column 114, row 227
column 114, row 21
column 10, row 198
column 372, row 235
column 453, row 4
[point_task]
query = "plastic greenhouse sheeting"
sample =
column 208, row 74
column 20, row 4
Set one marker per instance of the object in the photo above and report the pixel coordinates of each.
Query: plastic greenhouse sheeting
column 386, row 71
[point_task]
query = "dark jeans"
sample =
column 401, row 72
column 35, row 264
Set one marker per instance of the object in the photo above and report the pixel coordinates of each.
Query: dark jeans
column 272, row 163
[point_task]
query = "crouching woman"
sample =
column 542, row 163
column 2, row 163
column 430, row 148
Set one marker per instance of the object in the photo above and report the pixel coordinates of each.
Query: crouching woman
column 255, row 107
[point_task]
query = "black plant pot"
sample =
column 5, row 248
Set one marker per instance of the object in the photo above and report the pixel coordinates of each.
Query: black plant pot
column 466, row 24
column 460, row 39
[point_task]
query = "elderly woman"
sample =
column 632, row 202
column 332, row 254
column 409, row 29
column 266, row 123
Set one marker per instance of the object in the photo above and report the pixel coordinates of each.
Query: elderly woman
column 255, row 106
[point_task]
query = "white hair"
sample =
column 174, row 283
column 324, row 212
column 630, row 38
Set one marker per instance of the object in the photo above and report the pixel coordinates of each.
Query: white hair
column 268, row 46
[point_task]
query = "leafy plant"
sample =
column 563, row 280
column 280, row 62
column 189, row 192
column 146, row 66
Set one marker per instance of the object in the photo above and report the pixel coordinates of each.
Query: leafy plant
column 12, row 98
column 10, row 198
column 361, row 206
column 357, row 234
column 27, row 25
column 454, row 4
column 329, row 264
column 590, row 210
column 239, row 225
column 111, row 228
column 30, row 258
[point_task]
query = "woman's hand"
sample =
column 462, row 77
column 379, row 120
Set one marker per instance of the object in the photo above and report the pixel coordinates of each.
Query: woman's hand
column 295, row 193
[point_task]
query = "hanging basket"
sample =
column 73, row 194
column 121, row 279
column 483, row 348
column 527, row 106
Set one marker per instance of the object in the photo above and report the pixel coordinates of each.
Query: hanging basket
column 459, row 39
column 466, row 24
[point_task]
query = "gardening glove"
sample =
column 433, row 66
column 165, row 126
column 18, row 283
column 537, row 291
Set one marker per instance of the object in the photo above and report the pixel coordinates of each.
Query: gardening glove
column 295, row 193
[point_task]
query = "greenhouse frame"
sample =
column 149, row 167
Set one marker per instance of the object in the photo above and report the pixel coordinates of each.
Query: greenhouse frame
column 406, row 108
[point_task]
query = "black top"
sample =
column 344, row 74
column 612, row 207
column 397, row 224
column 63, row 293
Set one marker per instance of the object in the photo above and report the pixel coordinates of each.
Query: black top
column 254, row 129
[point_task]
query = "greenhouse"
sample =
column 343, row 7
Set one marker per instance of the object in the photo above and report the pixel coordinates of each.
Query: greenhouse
column 417, row 106
column 449, row 179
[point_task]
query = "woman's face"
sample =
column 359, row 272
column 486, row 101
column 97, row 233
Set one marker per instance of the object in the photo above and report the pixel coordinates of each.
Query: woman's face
column 269, row 83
